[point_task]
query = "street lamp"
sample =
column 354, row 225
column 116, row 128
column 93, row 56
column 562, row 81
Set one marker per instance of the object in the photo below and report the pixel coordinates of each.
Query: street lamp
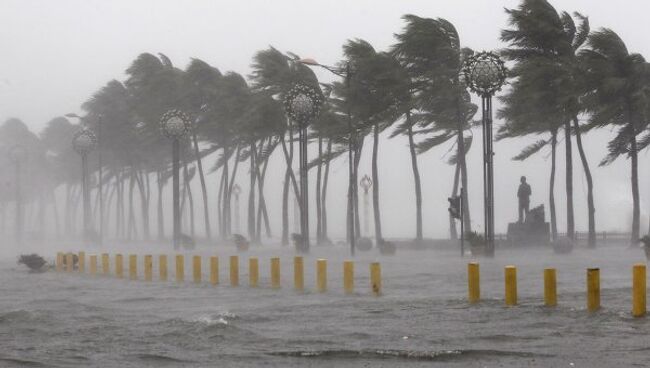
column 84, row 141
column 174, row 125
column 302, row 104
column 366, row 183
column 485, row 74
column 18, row 154
column 100, row 174
column 346, row 73
column 236, row 190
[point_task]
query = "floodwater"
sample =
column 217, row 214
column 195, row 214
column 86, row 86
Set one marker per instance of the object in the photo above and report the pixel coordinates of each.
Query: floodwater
column 422, row 320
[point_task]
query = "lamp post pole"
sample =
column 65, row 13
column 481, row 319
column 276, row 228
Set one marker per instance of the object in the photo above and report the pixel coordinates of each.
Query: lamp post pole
column 100, row 174
column 84, row 141
column 236, row 190
column 17, row 154
column 346, row 74
column 366, row 183
column 174, row 124
column 485, row 74
column 302, row 104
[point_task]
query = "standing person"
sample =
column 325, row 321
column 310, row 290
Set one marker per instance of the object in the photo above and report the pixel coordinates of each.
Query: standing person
column 524, row 198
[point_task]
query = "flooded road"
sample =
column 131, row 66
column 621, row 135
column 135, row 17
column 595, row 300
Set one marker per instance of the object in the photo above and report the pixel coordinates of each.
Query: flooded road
column 422, row 320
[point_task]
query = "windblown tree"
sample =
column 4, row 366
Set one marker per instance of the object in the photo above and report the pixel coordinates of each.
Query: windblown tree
column 201, row 90
column 274, row 74
column 373, row 99
column 618, row 94
column 436, row 102
column 544, row 45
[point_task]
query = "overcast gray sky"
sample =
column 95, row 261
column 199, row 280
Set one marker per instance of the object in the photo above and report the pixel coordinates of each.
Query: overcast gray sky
column 55, row 54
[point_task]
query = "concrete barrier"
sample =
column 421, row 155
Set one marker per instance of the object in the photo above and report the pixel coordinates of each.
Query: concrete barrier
column 550, row 287
column 93, row 264
column 511, row 285
column 593, row 289
column 234, row 271
column 639, row 297
column 214, row 270
column 473, row 282
column 196, row 268
column 348, row 277
column 275, row 273
column 148, row 267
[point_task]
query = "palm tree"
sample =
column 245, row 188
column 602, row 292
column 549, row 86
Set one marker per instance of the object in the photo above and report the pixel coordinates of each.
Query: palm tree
column 618, row 93
column 546, row 44
column 275, row 73
column 436, row 100
column 373, row 101
column 202, row 84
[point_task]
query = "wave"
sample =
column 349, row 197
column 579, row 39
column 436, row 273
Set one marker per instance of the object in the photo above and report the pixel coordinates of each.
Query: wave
column 442, row 355
column 158, row 358
column 20, row 362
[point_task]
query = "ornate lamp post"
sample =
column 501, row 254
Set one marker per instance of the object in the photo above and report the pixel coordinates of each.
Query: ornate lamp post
column 17, row 155
column 485, row 74
column 302, row 104
column 236, row 190
column 84, row 141
column 346, row 74
column 100, row 174
column 366, row 183
column 174, row 124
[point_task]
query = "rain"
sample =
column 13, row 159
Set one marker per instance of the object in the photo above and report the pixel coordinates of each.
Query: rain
column 323, row 184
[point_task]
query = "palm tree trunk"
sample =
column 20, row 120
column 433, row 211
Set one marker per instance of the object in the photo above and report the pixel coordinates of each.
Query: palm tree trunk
column 552, row 186
column 204, row 190
column 251, row 193
column 357, row 160
column 634, row 158
column 324, row 195
column 161, row 222
column 228, row 204
column 591, row 242
column 416, row 177
column 453, row 234
column 319, row 171
column 570, row 226
column 375, row 185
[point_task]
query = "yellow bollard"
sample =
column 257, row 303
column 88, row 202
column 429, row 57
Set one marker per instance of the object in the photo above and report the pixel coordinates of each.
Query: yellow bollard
column 93, row 264
column 375, row 278
column 321, row 275
column 298, row 273
column 593, row 289
column 550, row 287
column 82, row 262
column 119, row 266
column 234, row 271
column 148, row 267
column 59, row 261
column 180, row 268
column 511, row 285
column 348, row 277
column 196, row 263
column 162, row 267
column 275, row 273
column 69, row 262
column 253, row 271
column 473, row 282
column 106, row 270
column 214, row 270
column 638, row 290
column 133, row 267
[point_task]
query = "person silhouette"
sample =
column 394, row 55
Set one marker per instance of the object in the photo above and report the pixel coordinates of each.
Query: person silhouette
column 523, row 193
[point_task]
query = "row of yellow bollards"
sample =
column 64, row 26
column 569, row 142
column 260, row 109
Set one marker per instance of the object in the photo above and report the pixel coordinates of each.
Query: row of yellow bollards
column 67, row 261
column 550, row 287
